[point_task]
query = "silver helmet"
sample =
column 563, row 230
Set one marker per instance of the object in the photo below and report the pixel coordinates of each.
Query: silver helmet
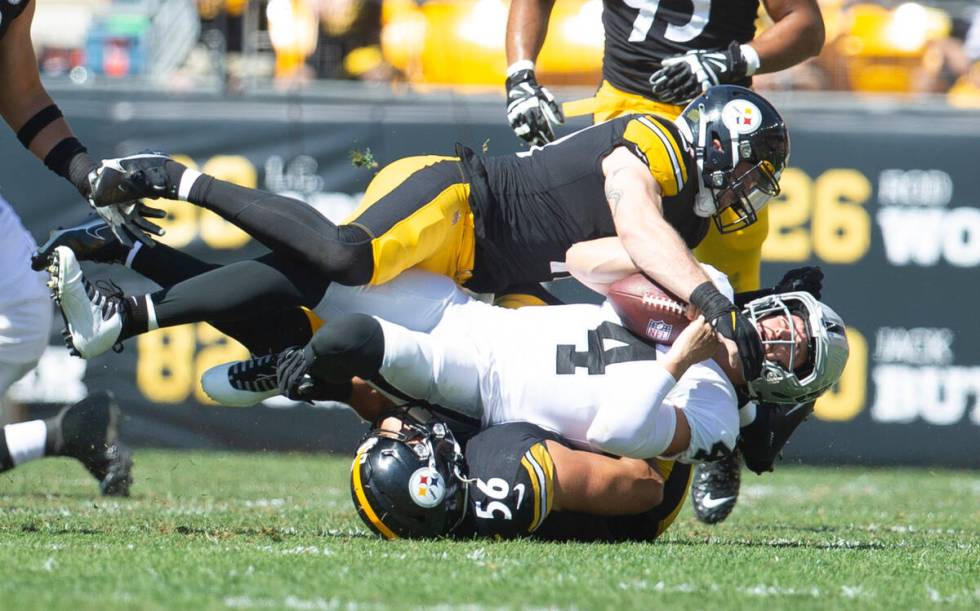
column 803, row 381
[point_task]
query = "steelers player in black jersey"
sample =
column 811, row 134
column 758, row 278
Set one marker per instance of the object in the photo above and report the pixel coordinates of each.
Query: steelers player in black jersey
column 658, row 54
column 411, row 479
column 493, row 222
column 40, row 126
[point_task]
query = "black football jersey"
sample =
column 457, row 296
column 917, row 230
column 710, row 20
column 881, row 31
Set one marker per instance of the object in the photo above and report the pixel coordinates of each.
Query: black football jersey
column 646, row 526
column 513, row 481
column 530, row 207
column 9, row 10
column 641, row 33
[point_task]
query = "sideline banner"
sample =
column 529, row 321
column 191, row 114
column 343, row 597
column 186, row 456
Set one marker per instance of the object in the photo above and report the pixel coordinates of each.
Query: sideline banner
column 886, row 202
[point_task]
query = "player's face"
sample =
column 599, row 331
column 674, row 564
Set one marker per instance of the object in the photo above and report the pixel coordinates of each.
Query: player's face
column 785, row 340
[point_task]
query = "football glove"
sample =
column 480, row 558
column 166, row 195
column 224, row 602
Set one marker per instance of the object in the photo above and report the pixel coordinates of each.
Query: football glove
column 809, row 279
column 731, row 323
column 684, row 77
column 293, row 373
column 531, row 109
column 122, row 180
column 129, row 223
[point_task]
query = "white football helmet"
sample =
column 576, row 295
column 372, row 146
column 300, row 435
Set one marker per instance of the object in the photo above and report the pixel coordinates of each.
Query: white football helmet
column 806, row 381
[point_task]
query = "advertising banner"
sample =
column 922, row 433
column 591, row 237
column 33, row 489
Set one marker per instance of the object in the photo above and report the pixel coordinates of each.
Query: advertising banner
column 885, row 201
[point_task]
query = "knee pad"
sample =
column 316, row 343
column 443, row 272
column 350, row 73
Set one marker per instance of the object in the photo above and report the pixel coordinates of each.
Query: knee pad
column 352, row 345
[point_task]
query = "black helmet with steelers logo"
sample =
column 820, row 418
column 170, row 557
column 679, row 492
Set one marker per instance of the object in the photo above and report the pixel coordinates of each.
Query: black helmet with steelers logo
column 742, row 147
column 409, row 482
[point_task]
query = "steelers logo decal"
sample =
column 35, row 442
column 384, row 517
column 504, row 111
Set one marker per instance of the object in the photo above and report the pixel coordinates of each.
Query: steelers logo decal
column 741, row 116
column 426, row 487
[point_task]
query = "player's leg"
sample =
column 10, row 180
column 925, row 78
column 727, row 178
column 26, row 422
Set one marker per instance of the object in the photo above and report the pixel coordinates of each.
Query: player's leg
column 404, row 226
column 99, row 317
column 166, row 266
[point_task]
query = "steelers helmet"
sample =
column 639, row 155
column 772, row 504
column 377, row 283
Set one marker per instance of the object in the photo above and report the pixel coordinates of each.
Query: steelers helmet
column 827, row 340
column 410, row 483
column 742, row 147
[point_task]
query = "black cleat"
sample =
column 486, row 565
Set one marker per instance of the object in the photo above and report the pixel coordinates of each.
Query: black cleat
column 89, row 432
column 93, row 240
column 714, row 490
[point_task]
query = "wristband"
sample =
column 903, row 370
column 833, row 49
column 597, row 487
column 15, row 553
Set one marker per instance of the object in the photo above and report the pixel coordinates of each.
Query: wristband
column 523, row 64
column 751, row 57
column 44, row 117
column 60, row 157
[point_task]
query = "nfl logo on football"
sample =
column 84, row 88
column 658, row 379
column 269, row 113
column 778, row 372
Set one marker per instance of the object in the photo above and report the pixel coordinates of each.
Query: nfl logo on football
column 658, row 330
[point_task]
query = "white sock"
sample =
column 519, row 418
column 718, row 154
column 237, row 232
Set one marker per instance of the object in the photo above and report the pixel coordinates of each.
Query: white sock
column 746, row 414
column 25, row 440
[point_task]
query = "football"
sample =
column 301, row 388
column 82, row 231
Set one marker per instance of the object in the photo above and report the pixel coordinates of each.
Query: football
column 647, row 309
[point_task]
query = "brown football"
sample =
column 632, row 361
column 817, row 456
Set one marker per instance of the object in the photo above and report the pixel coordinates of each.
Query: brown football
column 647, row 309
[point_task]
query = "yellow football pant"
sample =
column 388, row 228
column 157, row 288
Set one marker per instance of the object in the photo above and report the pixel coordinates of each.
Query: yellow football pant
column 417, row 212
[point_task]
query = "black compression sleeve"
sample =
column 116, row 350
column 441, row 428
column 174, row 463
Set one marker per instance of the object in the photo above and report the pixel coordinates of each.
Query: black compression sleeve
column 291, row 228
column 349, row 346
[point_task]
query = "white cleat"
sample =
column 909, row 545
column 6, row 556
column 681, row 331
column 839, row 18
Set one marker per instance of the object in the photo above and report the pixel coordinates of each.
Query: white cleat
column 242, row 383
column 92, row 318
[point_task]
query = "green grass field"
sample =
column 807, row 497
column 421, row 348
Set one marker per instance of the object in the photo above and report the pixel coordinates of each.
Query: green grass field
column 260, row 531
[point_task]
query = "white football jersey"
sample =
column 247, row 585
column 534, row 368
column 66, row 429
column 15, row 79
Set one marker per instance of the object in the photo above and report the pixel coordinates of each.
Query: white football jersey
column 555, row 366
column 25, row 309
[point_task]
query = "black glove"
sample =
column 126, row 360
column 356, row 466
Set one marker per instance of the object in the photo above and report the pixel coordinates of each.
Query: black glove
column 531, row 109
column 762, row 440
column 684, row 77
column 293, row 372
column 128, row 221
column 730, row 322
column 809, row 279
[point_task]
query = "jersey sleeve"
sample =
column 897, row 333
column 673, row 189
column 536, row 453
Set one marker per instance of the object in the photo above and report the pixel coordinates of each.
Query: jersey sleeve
column 658, row 144
column 514, row 480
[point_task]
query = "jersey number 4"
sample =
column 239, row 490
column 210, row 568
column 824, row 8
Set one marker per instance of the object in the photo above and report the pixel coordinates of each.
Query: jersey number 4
column 676, row 33
column 597, row 357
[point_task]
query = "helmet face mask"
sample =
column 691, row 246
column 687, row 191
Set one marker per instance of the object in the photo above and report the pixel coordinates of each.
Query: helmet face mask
column 742, row 147
column 410, row 483
column 828, row 349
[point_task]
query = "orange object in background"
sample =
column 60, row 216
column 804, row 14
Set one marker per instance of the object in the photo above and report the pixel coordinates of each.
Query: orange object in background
column 882, row 48
column 461, row 42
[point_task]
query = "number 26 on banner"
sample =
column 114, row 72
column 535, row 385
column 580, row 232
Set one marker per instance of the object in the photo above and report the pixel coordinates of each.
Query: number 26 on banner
column 833, row 204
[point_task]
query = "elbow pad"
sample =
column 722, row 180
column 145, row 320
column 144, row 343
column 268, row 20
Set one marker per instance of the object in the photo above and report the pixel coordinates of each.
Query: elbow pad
column 641, row 426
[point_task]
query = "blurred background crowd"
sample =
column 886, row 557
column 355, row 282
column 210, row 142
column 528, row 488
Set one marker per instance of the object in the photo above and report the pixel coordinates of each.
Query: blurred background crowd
column 880, row 46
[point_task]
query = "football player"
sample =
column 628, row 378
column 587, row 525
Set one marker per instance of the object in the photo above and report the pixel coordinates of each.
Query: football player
column 657, row 56
column 411, row 479
column 571, row 369
column 86, row 431
column 491, row 223
column 28, row 109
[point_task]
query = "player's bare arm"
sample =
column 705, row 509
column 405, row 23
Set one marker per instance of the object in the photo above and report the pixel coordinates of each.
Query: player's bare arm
column 23, row 95
column 527, row 25
column 796, row 35
column 599, row 263
column 531, row 109
column 652, row 243
column 591, row 483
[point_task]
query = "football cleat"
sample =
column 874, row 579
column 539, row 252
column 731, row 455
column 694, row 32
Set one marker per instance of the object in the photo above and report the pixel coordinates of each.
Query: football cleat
column 714, row 490
column 92, row 315
column 147, row 174
column 242, row 383
column 90, row 241
column 89, row 432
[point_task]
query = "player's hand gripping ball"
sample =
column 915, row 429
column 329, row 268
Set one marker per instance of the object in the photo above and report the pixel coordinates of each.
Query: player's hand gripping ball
column 647, row 309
